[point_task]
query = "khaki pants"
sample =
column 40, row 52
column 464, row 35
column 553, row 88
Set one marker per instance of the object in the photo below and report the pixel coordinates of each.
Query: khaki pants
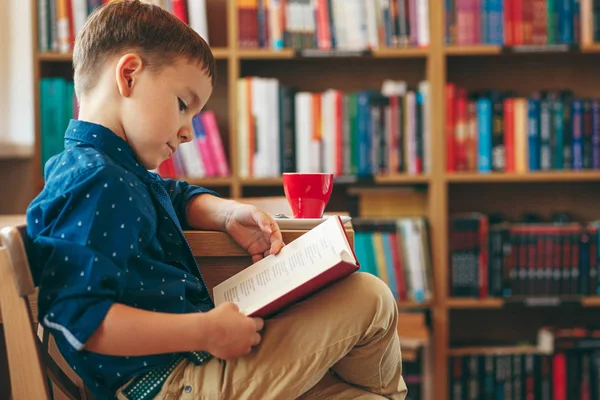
column 341, row 343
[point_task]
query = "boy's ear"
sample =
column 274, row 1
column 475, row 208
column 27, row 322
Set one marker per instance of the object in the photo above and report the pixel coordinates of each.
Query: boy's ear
column 128, row 69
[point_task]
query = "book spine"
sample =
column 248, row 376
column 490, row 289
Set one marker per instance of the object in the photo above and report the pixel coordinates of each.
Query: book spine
column 596, row 133
column 545, row 135
column 498, row 141
column 533, row 134
column 484, row 122
column 577, row 129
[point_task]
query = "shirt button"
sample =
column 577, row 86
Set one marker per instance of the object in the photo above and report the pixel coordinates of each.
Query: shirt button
column 188, row 389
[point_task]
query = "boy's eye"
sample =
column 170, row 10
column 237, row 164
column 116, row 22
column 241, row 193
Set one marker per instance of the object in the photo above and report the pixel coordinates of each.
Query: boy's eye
column 182, row 105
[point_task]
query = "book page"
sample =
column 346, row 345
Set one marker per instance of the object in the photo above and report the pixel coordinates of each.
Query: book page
column 299, row 261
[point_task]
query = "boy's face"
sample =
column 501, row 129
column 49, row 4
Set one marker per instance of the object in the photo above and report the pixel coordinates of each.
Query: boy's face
column 157, row 113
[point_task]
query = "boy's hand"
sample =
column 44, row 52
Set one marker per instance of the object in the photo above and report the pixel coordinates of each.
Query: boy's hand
column 232, row 333
column 254, row 230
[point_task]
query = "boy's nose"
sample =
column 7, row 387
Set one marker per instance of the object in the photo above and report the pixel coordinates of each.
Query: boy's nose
column 185, row 135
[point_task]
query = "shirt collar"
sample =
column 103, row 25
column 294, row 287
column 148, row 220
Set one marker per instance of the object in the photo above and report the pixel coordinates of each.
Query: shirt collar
column 105, row 140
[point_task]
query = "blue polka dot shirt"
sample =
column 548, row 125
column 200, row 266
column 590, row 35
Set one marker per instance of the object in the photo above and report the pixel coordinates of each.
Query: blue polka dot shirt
column 105, row 230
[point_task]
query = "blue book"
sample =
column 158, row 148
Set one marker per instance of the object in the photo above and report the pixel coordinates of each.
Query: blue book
column 565, row 21
column 485, row 21
column 559, row 133
column 533, row 133
column 484, row 142
column 577, row 141
column 364, row 134
column 495, row 22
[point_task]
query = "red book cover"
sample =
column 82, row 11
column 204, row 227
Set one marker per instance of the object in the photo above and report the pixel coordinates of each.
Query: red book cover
column 323, row 31
column 461, row 130
column 559, row 375
column 319, row 257
column 450, row 127
column 517, row 9
column 215, row 144
column 508, row 23
column 539, row 22
column 527, row 24
column 71, row 23
column 179, row 10
column 509, row 134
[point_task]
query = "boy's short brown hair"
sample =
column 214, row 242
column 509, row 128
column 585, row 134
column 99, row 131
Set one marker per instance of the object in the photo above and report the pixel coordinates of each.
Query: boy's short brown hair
column 130, row 25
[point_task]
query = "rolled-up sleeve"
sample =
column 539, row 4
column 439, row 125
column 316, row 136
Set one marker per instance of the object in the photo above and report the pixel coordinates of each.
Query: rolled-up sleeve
column 181, row 193
column 86, row 247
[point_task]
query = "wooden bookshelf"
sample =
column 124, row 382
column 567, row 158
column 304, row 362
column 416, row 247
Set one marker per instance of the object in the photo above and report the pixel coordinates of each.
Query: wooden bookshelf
column 473, row 67
column 538, row 176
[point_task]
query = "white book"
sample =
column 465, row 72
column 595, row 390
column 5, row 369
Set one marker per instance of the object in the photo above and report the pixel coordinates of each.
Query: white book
column 80, row 14
column 303, row 121
column 423, row 22
column 326, row 129
column 372, row 39
column 316, row 259
column 192, row 160
column 197, row 17
column 339, row 23
column 243, row 131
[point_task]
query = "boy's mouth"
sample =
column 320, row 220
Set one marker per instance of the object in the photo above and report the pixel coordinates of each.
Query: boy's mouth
column 173, row 149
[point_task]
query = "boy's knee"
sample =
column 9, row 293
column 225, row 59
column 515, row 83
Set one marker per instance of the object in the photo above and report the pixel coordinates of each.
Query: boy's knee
column 370, row 289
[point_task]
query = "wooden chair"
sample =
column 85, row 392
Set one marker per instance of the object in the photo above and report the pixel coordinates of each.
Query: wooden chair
column 31, row 364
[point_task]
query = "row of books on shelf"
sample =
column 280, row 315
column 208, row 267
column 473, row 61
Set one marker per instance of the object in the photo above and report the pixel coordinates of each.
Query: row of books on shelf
column 284, row 129
column 203, row 157
column 564, row 364
column 398, row 252
column 502, row 132
column 58, row 104
column 59, row 21
column 521, row 22
column 333, row 24
column 492, row 258
column 417, row 354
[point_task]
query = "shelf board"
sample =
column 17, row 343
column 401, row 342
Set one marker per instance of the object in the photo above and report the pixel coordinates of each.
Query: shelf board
column 208, row 181
column 218, row 52
column 413, row 305
column 591, row 48
column 14, row 151
column 268, row 54
column 404, row 52
column 401, row 178
column 55, row 57
column 493, row 350
column 539, row 176
column 264, row 54
column 551, row 301
column 472, row 303
column 477, row 50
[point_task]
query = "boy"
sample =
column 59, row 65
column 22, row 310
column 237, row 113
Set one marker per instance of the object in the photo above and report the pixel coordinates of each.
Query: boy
column 119, row 288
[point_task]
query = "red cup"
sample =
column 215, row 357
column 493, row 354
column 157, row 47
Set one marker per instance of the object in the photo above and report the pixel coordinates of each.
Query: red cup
column 307, row 194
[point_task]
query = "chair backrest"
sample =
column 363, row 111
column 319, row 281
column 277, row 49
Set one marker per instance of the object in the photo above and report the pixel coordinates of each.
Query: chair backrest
column 31, row 366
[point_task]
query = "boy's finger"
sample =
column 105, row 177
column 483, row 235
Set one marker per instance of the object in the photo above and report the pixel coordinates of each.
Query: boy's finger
column 263, row 222
column 260, row 323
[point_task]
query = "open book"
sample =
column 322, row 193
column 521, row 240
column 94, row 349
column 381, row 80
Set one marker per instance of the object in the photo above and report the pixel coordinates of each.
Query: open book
column 314, row 260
